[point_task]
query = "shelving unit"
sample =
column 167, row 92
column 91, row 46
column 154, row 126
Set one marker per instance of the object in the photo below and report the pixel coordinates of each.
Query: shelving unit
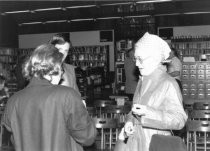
column 192, row 46
column 8, row 58
column 93, row 66
column 195, row 75
column 122, row 46
column 196, row 80
column 89, row 56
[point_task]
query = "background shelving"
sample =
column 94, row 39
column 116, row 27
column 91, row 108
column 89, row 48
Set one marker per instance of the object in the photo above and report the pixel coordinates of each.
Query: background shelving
column 121, row 47
column 8, row 58
column 192, row 46
column 89, row 56
column 92, row 68
column 195, row 75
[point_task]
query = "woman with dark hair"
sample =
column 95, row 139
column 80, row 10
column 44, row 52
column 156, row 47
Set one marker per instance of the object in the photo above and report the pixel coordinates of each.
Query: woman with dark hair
column 63, row 44
column 46, row 116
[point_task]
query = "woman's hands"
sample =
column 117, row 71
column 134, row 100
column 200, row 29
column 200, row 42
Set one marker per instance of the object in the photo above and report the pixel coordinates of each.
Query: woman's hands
column 139, row 109
column 129, row 128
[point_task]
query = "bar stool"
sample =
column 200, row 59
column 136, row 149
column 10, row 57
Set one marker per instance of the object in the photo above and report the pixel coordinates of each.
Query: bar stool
column 196, row 141
column 7, row 146
column 119, row 112
column 188, row 107
column 201, row 106
column 100, row 104
column 108, row 132
column 121, row 100
column 92, row 111
column 202, row 115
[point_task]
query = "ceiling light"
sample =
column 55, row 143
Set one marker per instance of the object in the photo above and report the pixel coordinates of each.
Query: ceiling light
column 112, row 4
column 153, row 1
column 137, row 16
column 167, row 14
column 109, row 18
column 31, row 23
column 16, row 12
column 82, row 6
column 56, row 21
column 47, row 9
column 190, row 13
column 86, row 19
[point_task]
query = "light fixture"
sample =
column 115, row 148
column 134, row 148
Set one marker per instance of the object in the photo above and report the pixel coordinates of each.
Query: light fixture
column 113, row 4
column 153, row 1
column 139, row 16
column 17, row 12
column 109, row 18
column 191, row 13
column 170, row 14
column 81, row 6
column 47, row 9
column 31, row 23
column 56, row 21
column 85, row 19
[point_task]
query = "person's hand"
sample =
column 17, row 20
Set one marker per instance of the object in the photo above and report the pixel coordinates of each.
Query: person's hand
column 139, row 109
column 129, row 128
column 64, row 80
column 83, row 101
column 122, row 134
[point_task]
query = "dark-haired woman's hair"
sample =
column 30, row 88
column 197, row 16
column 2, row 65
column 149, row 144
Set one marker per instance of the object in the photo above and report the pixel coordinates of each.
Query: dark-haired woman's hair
column 44, row 60
column 175, row 52
column 59, row 38
column 2, row 79
column 127, row 54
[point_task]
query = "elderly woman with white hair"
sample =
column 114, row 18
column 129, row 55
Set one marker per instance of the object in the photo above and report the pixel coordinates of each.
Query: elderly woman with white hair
column 157, row 103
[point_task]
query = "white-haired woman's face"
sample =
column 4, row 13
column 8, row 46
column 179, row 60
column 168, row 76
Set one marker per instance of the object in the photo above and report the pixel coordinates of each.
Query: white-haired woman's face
column 146, row 63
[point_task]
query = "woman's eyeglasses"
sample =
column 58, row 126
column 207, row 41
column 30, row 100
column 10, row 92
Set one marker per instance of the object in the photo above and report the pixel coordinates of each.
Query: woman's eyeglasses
column 138, row 59
column 141, row 61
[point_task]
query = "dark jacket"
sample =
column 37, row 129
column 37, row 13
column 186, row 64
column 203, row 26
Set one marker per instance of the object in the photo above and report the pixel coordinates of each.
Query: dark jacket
column 69, row 76
column 46, row 117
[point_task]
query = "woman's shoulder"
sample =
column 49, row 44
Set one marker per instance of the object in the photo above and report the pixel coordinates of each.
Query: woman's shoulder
column 167, row 79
